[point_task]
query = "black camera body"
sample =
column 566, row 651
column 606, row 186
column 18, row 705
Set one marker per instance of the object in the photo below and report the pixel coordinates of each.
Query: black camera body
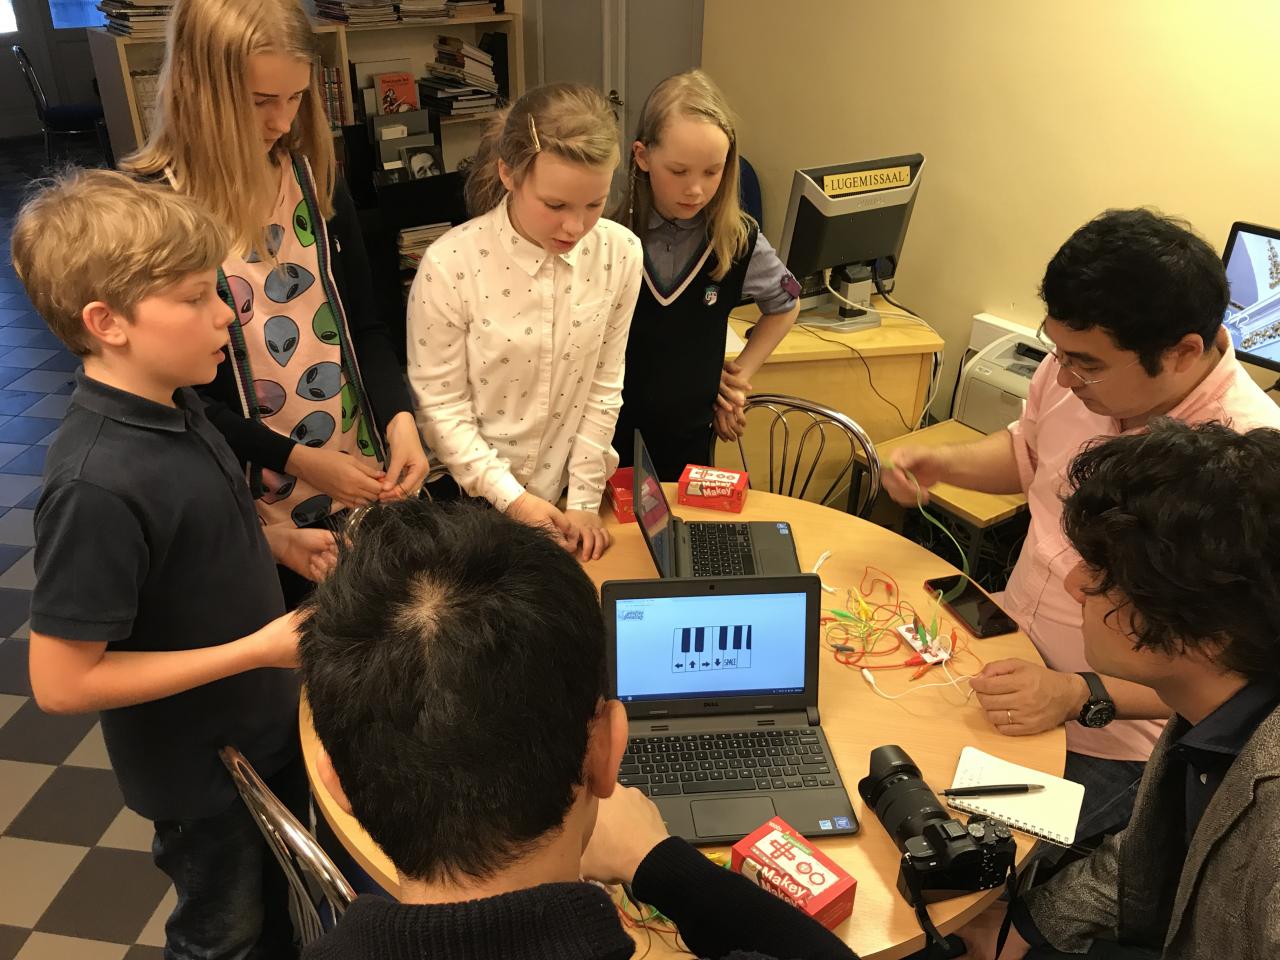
column 941, row 857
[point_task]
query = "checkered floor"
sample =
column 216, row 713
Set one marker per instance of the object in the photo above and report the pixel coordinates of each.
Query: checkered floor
column 76, row 877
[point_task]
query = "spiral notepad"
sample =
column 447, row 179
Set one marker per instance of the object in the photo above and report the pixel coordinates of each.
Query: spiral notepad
column 1050, row 814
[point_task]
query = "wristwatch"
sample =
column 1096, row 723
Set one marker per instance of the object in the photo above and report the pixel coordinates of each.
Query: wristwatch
column 1099, row 709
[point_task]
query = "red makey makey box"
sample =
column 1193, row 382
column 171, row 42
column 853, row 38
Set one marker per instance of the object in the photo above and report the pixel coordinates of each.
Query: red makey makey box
column 781, row 861
column 713, row 488
column 619, row 492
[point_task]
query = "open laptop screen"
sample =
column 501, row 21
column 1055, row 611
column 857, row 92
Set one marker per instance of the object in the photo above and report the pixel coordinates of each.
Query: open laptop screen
column 653, row 511
column 677, row 648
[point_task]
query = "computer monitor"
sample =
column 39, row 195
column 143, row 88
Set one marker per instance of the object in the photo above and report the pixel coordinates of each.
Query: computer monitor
column 1252, row 259
column 851, row 219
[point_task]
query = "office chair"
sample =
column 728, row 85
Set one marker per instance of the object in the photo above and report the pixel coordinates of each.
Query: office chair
column 310, row 872
column 788, row 461
column 62, row 120
column 749, row 195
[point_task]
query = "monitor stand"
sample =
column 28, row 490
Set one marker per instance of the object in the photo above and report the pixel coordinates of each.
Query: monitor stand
column 847, row 318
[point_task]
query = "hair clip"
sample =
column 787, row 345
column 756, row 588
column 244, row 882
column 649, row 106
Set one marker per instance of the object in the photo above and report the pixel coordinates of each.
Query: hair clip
column 533, row 135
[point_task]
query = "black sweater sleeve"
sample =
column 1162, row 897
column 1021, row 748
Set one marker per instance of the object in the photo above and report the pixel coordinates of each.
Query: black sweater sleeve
column 380, row 368
column 249, row 440
column 719, row 912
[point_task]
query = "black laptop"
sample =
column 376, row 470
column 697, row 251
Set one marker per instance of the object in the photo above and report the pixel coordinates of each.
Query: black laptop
column 705, row 548
column 720, row 681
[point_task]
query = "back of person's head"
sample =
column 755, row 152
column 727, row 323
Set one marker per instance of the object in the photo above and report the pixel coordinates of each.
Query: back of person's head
column 453, row 663
column 1180, row 522
column 98, row 235
column 568, row 120
column 1146, row 279
column 205, row 129
column 695, row 96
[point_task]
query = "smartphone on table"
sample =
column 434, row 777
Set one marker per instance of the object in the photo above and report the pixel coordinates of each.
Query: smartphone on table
column 972, row 607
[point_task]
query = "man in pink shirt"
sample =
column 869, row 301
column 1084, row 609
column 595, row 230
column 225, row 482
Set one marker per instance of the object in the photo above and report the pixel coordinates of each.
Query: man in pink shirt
column 1134, row 306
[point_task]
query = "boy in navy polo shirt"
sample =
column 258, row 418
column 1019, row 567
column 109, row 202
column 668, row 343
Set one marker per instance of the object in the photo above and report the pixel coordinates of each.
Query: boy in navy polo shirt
column 157, row 601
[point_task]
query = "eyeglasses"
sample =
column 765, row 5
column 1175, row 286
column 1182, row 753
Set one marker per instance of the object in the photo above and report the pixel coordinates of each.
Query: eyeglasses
column 1067, row 364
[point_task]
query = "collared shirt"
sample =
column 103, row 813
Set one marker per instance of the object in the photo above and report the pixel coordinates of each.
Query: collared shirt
column 1054, row 427
column 147, row 540
column 516, row 356
column 672, row 247
column 1210, row 747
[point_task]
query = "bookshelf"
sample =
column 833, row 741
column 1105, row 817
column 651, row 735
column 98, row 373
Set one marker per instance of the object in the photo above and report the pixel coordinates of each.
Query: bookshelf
column 123, row 66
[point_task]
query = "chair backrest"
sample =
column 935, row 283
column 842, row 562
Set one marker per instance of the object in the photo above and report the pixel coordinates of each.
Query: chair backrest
column 790, row 456
column 749, row 195
column 310, row 872
column 33, row 82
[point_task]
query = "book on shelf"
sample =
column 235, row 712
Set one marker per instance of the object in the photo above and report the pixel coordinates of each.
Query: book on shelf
column 458, row 45
column 413, row 241
column 357, row 13
column 457, row 73
column 422, row 160
column 423, row 11
column 471, row 8
column 494, row 43
column 396, row 92
column 129, row 19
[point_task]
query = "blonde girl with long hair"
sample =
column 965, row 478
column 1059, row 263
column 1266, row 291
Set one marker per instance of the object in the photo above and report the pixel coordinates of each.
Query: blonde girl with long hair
column 518, row 319
column 312, row 397
column 702, row 255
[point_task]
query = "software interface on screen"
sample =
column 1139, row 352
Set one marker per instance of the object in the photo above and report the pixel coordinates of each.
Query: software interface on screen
column 671, row 648
column 1253, row 313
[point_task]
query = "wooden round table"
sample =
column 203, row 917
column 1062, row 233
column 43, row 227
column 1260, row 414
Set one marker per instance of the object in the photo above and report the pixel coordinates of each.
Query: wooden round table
column 932, row 725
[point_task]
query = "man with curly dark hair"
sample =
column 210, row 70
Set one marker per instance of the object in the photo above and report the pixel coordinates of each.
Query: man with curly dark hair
column 1179, row 589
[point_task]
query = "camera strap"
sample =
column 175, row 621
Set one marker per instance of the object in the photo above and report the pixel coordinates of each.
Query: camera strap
column 937, row 942
column 1011, row 886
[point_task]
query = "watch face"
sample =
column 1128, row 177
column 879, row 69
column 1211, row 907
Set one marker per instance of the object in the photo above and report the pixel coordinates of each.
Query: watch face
column 1098, row 713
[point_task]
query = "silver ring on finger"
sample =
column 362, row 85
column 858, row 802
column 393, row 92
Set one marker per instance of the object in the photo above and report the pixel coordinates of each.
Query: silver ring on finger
column 1009, row 717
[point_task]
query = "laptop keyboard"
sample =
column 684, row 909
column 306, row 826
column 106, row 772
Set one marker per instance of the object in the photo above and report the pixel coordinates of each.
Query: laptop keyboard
column 720, row 549
column 664, row 766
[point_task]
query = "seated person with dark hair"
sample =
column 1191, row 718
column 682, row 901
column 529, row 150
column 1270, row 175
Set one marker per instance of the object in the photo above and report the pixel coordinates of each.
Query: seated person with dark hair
column 455, row 667
column 1179, row 588
column 1134, row 303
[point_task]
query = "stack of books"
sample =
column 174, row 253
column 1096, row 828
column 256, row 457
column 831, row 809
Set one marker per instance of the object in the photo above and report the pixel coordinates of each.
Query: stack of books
column 146, row 88
column 423, row 11
column 453, row 98
column 412, row 241
column 357, row 13
column 472, row 8
column 463, row 62
column 137, row 18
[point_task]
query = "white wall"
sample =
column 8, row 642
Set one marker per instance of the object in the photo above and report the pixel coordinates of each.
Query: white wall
column 1033, row 117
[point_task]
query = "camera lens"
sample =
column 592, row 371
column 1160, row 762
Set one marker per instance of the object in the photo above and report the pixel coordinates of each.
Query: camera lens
column 894, row 788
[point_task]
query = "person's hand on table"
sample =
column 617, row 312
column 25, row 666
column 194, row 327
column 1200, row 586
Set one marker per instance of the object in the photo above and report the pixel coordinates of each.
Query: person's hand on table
column 407, row 463
column 980, row 935
column 591, row 534
column 628, row 826
column 1022, row 698
column 347, row 479
column 925, row 464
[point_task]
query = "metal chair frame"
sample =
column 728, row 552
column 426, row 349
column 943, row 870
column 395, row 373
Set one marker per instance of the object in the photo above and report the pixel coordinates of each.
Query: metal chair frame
column 42, row 109
column 784, row 471
column 301, row 858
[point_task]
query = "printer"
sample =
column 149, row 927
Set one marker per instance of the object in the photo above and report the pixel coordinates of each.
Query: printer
column 994, row 384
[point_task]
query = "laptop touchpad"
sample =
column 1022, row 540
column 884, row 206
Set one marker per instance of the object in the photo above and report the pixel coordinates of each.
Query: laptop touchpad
column 735, row 816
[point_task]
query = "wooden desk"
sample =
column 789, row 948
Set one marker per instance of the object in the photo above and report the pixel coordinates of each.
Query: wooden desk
column 932, row 726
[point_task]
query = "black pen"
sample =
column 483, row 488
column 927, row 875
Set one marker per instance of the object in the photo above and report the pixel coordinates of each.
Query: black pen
column 993, row 790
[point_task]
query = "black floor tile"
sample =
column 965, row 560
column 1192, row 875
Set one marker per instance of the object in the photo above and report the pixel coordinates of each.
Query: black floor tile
column 27, row 320
column 75, row 805
column 14, row 677
column 12, row 939
column 13, row 402
column 29, row 463
column 110, row 896
column 27, row 429
column 18, row 337
column 65, row 361
column 9, row 553
column 43, row 339
column 9, row 283
column 33, row 736
column 10, row 374
column 15, row 608
column 30, row 500
column 139, row 952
